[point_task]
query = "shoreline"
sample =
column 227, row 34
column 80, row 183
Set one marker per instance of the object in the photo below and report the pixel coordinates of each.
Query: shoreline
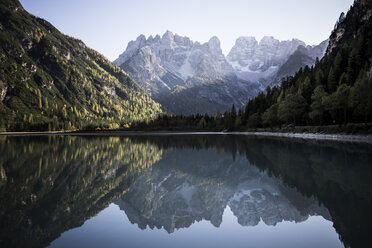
column 357, row 138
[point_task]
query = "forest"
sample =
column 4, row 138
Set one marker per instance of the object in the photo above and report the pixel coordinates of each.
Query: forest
column 334, row 95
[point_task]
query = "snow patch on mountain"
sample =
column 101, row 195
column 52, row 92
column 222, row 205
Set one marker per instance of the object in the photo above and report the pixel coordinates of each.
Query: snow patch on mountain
column 258, row 62
column 171, row 67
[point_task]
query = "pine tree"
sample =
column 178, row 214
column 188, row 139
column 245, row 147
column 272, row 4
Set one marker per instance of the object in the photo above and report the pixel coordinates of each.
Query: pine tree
column 233, row 112
column 292, row 108
column 337, row 65
column 317, row 107
column 331, row 82
column 343, row 79
column 337, row 103
column 218, row 115
column 319, row 77
column 270, row 116
column 360, row 97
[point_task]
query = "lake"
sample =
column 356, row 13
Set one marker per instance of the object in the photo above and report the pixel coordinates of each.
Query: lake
column 183, row 191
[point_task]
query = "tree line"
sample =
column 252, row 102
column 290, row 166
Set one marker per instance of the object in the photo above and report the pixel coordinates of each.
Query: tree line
column 337, row 90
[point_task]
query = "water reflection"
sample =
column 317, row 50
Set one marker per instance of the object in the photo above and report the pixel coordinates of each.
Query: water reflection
column 188, row 186
column 49, row 185
column 52, row 184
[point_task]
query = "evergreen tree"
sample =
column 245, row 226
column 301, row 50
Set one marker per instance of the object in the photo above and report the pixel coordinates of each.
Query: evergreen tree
column 231, row 119
column 317, row 107
column 305, row 89
column 360, row 97
column 319, row 77
column 254, row 121
column 337, row 103
column 331, row 82
column 292, row 108
column 218, row 115
column 353, row 65
column 270, row 116
column 233, row 112
column 337, row 65
column 343, row 79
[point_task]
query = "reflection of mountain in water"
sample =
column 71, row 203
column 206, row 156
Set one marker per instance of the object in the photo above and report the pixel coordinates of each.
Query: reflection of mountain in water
column 51, row 184
column 190, row 185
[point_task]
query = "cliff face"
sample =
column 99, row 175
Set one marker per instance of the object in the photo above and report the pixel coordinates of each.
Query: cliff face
column 357, row 21
column 188, row 77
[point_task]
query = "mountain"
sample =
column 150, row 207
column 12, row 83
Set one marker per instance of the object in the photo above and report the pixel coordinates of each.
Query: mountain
column 270, row 60
column 166, row 62
column 303, row 56
column 337, row 90
column 259, row 62
column 49, row 81
column 184, row 76
column 188, row 77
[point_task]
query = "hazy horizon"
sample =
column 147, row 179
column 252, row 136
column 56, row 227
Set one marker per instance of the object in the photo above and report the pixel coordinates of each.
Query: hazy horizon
column 108, row 26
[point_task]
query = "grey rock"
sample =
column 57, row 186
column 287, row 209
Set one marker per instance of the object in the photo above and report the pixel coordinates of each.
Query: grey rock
column 188, row 77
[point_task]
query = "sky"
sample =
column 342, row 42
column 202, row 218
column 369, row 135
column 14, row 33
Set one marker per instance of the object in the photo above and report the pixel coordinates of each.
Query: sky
column 108, row 25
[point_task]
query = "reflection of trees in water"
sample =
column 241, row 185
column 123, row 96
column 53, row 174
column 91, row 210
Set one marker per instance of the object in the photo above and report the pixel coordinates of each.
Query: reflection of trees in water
column 337, row 174
column 51, row 184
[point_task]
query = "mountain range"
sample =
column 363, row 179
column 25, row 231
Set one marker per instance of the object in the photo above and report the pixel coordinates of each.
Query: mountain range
column 50, row 81
column 188, row 77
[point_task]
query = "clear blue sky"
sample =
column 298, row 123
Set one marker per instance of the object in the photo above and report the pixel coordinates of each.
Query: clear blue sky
column 108, row 25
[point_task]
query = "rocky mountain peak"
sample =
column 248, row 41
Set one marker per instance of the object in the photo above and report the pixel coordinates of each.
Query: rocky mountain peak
column 215, row 46
column 214, row 42
column 182, row 40
column 269, row 41
column 173, row 63
column 348, row 27
column 168, row 39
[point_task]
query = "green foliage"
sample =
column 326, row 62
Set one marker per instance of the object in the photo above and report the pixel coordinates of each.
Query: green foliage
column 46, row 73
column 254, row 121
column 317, row 107
column 73, row 178
column 337, row 89
column 360, row 97
column 337, row 103
column 331, row 81
column 202, row 123
column 292, row 108
column 319, row 77
column 270, row 116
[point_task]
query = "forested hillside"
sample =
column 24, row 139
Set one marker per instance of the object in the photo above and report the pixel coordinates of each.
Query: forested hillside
column 337, row 90
column 49, row 81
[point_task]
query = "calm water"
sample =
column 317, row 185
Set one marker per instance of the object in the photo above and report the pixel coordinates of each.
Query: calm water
column 183, row 191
